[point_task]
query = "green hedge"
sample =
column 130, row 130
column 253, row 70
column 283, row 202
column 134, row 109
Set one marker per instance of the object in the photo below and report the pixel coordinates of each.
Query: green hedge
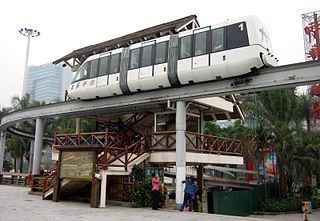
column 289, row 204
column 141, row 195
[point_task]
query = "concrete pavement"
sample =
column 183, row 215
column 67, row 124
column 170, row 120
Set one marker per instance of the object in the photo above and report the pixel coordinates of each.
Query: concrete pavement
column 17, row 204
column 315, row 216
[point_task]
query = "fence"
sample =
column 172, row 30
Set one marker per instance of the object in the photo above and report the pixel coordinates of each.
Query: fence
column 241, row 202
column 14, row 178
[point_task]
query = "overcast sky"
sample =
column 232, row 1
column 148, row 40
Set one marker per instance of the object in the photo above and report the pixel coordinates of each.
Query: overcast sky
column 67, row 25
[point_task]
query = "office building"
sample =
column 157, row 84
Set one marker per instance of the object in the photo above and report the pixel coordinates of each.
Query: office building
column 47, row 82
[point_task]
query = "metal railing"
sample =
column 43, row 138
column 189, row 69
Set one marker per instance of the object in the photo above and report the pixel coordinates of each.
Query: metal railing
column 124, row 149
column 14, row 178
column 195, row 142
column 48, row 181
column 124, row 154
column 211, row 144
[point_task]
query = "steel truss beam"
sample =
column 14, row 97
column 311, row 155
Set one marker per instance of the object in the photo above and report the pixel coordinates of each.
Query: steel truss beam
column 271, row 78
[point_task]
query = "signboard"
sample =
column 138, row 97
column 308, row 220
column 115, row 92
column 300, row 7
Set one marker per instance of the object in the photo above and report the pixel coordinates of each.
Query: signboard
column 268, row 165
column 311, row 34
column 76, row 164
column 156, row 170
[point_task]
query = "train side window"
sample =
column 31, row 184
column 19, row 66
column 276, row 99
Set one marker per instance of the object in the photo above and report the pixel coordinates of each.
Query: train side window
column 218, row 42
column 134, row 58
column 146, row 56
column 104, row 64
column 115, row 64
column 82, row 72
column 237, row 35
column 185, row 47
column 200, row 43
column 161, row 52
column 94, row 68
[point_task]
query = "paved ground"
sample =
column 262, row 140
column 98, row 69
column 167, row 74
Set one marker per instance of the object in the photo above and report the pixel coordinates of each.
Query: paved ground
column 16, row 204
column 315, row 216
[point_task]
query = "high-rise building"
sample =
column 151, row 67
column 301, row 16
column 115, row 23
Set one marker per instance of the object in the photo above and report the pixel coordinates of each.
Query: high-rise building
column 47, row 82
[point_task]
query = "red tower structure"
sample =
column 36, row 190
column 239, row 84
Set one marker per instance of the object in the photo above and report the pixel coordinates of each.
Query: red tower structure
column 311, row 27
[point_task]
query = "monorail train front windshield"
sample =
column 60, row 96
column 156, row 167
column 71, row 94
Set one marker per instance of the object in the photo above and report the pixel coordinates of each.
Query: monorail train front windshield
column 82, row 73
column 237, row 35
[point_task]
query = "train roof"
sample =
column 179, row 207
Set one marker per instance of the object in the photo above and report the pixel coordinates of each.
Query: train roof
column 80, row 55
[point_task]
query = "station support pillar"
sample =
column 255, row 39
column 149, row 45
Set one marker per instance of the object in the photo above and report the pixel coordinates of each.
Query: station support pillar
column 103, row 192
column 2, row 147
column 31, row 156
column 180, row 150
column 38, row 142
column 78, row 125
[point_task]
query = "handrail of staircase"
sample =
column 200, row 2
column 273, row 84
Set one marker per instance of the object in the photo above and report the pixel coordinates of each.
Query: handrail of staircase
column 48, row 181
column 130, row 153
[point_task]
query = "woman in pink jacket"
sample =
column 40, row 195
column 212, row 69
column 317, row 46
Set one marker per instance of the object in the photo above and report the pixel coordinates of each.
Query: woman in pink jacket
column 155, row 191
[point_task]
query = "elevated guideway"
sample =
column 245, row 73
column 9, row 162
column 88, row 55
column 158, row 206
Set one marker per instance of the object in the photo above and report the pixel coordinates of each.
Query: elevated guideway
column 18, row 132
column 272, row 78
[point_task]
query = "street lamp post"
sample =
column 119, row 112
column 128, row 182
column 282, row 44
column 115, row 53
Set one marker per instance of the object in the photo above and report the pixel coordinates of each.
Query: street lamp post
column 28, row 32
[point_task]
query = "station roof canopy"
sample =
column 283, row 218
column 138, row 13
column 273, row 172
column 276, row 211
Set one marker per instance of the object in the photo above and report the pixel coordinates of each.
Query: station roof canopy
column 77, row 57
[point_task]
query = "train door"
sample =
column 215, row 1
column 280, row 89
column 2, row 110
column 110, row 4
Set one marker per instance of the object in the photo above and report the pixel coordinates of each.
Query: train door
column 147, row 55
column 114, row 74
column 201, row 57
column 161, row 57
column 103, row 77
column 239, row 57
column 134, row 67
column 219, row 54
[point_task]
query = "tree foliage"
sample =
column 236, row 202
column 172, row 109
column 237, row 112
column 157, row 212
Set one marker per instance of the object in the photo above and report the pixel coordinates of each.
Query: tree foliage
column 279, row 117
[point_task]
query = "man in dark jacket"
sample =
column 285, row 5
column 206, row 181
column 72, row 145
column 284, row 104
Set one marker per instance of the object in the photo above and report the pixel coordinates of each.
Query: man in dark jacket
column 189, row 192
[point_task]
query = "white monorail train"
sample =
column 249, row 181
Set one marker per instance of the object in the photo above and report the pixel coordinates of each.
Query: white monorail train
column 229, row 49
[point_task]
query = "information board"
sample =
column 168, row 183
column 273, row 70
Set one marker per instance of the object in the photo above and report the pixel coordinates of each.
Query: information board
column 76, row 164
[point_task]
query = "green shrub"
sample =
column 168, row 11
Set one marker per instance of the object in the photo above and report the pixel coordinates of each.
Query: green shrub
column 289, row 204
column 282, row 205
column 141, row 196
column 315, row 202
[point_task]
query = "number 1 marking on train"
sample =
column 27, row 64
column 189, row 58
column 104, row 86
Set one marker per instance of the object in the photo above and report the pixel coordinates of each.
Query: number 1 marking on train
column 241, row 27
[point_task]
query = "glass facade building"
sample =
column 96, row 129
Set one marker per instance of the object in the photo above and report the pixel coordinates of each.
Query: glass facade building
column 48, row 82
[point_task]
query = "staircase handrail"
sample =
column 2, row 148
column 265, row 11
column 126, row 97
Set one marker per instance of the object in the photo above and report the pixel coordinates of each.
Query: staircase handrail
column 130, row 153
column 48, row 181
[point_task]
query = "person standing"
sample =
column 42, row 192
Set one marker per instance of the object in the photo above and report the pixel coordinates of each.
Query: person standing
column 189, row 192
column 155, row 191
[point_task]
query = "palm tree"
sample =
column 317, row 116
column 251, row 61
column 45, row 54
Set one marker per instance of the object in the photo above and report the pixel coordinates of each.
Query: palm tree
column 275, row 113
column 18, row 146
column 281, row 113
column 305, row 103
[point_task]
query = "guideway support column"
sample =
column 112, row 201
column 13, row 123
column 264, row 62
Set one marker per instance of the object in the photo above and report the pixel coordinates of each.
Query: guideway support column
column 2, row 147
column 38, row 142
column 180, row 150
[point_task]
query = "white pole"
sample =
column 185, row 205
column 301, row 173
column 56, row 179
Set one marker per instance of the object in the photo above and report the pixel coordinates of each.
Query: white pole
column 103, row 192
column 38, row 141
column 2, row 147
column 26, row 68
column 180, row 150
